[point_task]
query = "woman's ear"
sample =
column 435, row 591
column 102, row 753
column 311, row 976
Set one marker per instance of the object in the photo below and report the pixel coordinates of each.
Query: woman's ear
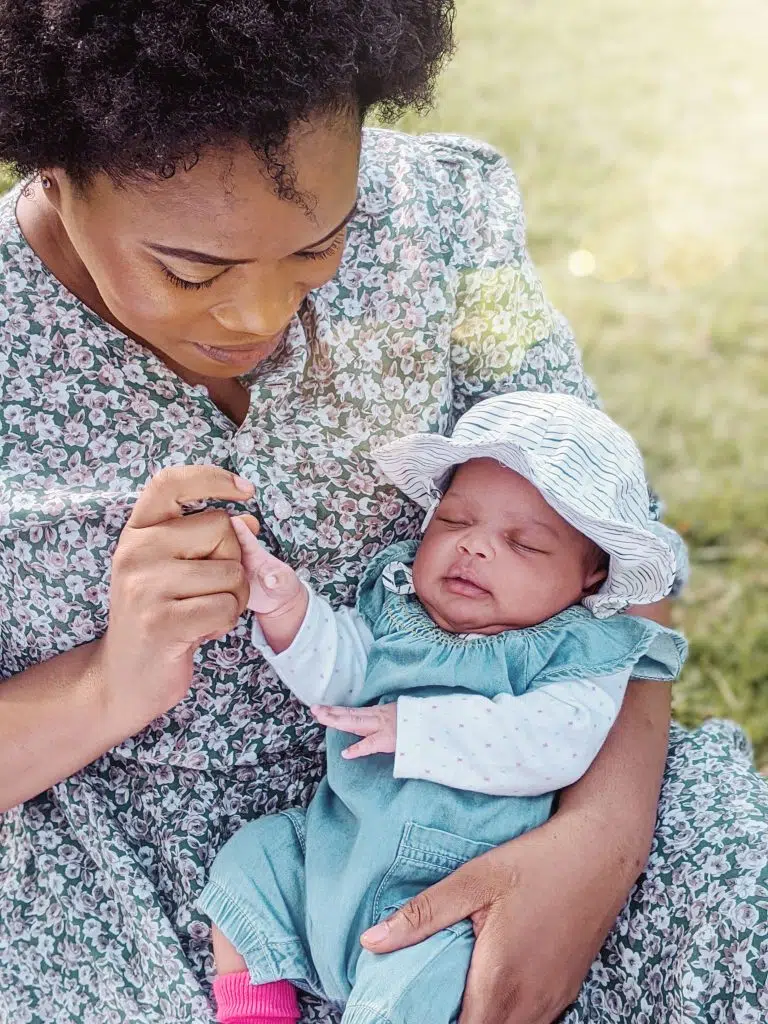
column 50, row 182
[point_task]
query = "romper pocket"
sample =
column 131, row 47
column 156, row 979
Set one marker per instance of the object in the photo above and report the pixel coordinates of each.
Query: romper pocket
column 424, row 856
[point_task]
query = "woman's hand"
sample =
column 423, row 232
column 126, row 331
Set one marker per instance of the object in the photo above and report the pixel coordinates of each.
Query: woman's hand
column 177, row 581
column 541, row 907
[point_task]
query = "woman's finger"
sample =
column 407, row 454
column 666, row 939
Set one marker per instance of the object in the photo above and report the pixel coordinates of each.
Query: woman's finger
column 171, row 489
column 359, row 721
column 208, row 534
column 493, row 994
column 465, row 892
column 197, row 578
column 196, row 619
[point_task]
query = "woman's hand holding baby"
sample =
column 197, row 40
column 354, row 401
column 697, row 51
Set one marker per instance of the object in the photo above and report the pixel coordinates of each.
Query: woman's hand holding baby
column 378, row 726
column 176, row 582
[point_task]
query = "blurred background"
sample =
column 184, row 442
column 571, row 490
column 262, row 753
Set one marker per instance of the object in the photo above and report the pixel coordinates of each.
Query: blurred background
column 638, row 131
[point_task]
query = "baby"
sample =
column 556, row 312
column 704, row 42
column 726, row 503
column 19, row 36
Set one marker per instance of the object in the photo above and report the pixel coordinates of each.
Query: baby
column 483, row 666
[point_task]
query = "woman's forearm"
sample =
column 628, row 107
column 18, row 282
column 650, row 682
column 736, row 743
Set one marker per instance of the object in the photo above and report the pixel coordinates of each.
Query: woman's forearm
column 620, row 791
column 54, row 719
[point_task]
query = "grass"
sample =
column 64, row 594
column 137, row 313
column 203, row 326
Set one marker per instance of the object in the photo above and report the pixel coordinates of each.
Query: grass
column 637, row 130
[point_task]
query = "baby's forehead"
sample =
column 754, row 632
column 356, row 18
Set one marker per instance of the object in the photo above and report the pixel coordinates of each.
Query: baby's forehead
column 476, row 477
column 491, row 489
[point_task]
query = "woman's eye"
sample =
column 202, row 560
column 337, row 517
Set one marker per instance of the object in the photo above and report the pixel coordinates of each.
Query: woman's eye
column 324, row 254
column 180, row 282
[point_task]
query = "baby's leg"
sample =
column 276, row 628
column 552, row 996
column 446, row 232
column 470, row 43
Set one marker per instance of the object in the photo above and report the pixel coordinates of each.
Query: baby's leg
column 239, row 1000
column 422, row 983
column 256, row 899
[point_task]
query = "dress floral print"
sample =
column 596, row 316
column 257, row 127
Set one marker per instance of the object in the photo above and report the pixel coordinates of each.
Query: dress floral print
column 436, row 304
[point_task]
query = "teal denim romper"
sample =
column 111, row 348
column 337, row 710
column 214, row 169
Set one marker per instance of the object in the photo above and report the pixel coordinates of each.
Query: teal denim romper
column 294, row 891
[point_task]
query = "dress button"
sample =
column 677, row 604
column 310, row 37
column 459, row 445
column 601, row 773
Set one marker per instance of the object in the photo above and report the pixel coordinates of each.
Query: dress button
column 281, row 509
column 244, row 442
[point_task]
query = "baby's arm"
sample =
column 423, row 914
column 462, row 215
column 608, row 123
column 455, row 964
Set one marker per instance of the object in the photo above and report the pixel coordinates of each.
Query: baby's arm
column 541, row 741
column 538, row 742
column 320, row 654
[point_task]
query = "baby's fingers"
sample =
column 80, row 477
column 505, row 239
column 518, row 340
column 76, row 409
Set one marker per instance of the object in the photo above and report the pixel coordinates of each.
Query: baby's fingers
column 374, row 744
column 359, row 721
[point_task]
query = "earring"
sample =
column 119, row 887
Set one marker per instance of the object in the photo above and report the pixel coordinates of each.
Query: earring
column 45, row 181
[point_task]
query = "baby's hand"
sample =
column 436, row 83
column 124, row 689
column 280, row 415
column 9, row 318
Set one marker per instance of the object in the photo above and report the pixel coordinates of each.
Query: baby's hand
column 274, row 585
column 377, row 724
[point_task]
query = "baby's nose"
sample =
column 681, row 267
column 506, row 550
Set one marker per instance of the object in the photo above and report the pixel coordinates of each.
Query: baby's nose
column 476, row 543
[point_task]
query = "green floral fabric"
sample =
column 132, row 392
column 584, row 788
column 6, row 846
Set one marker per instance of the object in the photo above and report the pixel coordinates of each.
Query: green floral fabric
column 436, row 304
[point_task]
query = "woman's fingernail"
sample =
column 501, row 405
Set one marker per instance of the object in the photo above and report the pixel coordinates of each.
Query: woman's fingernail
column 270, row 580
column 242, row 484
column 378, row 933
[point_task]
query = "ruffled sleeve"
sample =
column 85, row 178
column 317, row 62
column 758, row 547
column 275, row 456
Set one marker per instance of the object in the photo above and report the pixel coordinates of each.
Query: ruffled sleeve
column 576, row 646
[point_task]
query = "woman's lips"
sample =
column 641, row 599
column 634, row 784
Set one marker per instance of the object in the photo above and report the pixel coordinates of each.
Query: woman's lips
column 239, row 355
column 464, row 588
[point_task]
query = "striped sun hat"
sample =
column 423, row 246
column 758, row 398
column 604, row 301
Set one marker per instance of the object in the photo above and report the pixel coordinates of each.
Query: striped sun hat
column 586, row 467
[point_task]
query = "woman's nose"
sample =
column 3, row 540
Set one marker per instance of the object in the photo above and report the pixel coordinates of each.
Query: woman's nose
column 262, row 307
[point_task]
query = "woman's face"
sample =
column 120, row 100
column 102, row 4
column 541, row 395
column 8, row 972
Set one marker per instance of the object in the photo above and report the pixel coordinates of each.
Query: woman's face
column 208, row 267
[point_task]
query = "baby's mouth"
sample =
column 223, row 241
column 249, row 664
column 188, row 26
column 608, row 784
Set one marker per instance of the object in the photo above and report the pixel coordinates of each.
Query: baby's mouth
column 464, row 584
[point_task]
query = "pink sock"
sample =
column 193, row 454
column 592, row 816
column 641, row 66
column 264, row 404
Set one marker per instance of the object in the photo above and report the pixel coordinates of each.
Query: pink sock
column 239, row 1001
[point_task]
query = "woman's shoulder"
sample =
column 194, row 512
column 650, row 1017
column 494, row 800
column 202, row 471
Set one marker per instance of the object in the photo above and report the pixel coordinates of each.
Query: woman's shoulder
column 438, row 155
column 463, row 187
column 27, row 287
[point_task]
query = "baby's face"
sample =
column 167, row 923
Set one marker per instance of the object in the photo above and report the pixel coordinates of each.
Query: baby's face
column 496, row 556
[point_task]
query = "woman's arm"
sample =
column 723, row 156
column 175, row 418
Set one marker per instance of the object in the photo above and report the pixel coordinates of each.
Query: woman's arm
column 543, row 904
column 176, row 581
column 625, row 778
column 54, row 719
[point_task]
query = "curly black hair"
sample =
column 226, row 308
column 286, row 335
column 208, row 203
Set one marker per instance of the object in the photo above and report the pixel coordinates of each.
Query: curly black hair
column 141, row 87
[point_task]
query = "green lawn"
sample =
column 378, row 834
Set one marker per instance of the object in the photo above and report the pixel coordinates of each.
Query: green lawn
column 638, row 132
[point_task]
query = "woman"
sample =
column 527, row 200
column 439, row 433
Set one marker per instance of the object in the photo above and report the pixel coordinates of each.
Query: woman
column 211, row 268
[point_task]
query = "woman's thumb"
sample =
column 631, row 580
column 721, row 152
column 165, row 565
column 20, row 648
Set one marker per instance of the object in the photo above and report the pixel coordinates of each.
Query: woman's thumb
column 438, row 907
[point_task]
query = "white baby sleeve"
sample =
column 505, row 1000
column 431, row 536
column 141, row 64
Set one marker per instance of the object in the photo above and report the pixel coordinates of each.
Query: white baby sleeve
column 536, row 743
column 326, row 662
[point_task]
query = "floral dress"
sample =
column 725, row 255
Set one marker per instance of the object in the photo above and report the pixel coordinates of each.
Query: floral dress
column 436, row 304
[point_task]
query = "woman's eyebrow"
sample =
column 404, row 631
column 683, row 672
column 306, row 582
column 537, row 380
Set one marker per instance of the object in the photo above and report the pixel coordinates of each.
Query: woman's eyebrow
column 193, row 256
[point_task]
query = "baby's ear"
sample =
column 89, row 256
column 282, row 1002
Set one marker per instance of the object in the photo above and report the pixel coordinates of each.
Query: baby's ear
column 593, row 581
